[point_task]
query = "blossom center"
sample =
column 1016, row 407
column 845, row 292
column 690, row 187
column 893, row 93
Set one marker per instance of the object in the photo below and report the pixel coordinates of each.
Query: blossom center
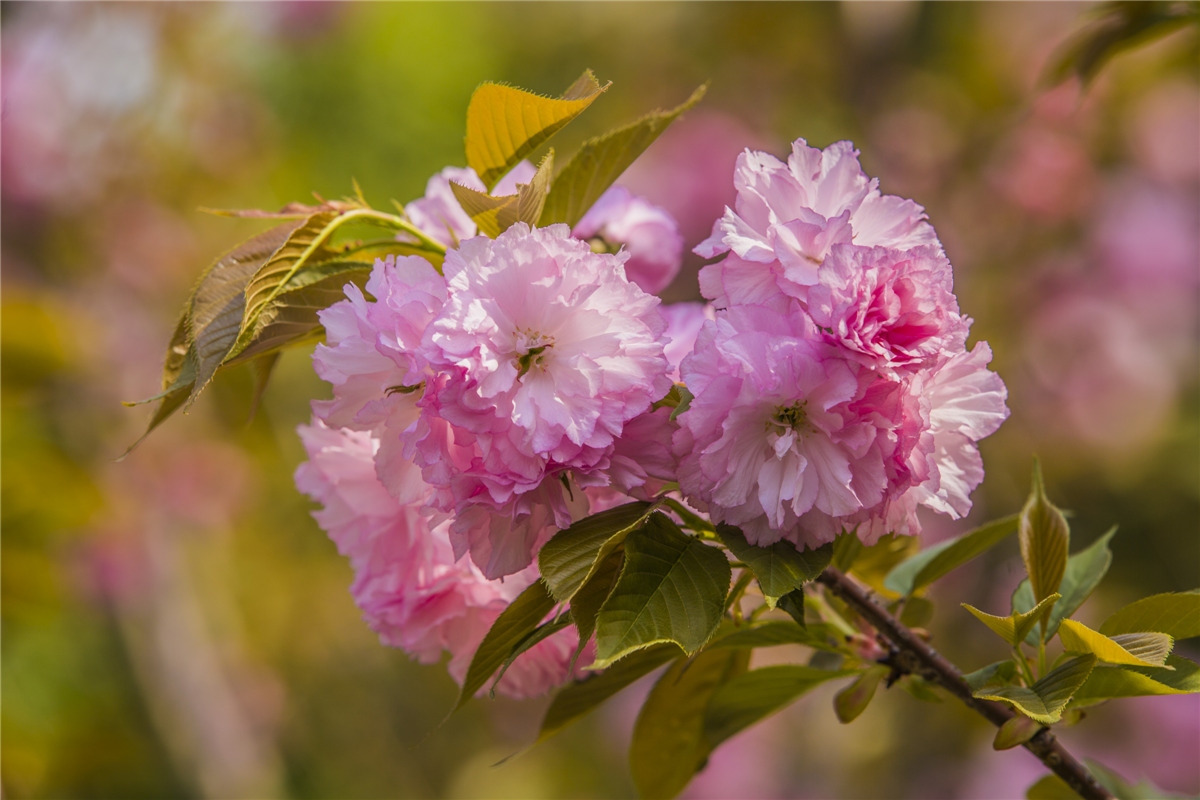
column 531, row 347
column 793, row 417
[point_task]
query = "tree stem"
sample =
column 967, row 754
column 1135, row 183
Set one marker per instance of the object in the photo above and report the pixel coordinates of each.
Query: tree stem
column 914, row 656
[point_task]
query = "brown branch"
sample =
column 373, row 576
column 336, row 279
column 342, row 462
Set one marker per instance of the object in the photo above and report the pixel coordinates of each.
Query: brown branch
column 914, row 656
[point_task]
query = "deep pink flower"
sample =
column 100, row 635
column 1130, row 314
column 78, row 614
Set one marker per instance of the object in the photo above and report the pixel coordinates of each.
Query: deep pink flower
column 893, row 308
column 788, row 216
column 412, row 590
column 648, row 233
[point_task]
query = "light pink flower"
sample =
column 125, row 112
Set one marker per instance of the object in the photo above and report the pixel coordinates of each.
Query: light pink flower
column 788, row 216
column 684, row 321
column 648, row 233
column 893, row 308
column 782, row 437
column 544, row 351
column 412, row 590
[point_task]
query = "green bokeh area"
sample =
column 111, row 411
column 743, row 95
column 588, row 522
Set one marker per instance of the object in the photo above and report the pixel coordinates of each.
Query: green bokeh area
column 176, row 624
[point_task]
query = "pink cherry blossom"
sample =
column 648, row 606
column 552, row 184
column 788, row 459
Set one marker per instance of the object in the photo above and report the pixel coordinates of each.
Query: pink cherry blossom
column 412, row 590
column 544, row 351
column 773, row 441
column 894, row 308
column 648, row 233
column 788, row 216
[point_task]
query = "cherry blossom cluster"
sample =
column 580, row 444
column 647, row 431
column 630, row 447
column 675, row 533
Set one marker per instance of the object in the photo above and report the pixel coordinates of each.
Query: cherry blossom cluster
column 834, row 391
column 480, row 408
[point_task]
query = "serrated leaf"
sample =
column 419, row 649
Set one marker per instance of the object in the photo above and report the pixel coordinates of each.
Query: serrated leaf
column 291, row 318
column 672, row 589
column 307, row 245
column 780, row 568
column 792, row 604
column 996, row 674
column 1046, row 699
column 586, row 603
column 1083, row 574
column 218, row 303
column 1014, row 628
column 854, row 698
column 531, row 640
column 752, row 696
column 691, row 520
column 521, row 618
column 1152, row 648
column 576, row 699
column 1105, row 684
column 1175, row 613
column 934, row 562
column 505, row 124
column 600, row 161
column 571, row 555
column 483, row 209
column 669, row 743
column 777, row 632
column 493, row 215
column 1044, row 536
column 1079, row 638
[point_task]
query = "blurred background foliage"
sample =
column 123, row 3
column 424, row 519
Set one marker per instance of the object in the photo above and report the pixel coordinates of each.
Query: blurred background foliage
column 177, row 625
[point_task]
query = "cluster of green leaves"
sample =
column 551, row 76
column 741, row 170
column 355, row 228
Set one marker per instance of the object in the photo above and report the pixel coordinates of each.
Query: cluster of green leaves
column 265, row 294
column 653, row 584
column 1128, row 655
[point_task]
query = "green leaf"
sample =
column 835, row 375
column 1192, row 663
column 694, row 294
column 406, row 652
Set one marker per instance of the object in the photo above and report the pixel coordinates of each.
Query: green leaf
column 1014, row 628
column 691, row 520
column 179, row 373
column 1117, row 26
column 752, row 696
column 780, row 567
column 1046, row 699
column 600, row 161
column 291, row 318
column 776, row 632
column 309, row 244
column 793, row 604
column 1079, row 638
column 521, row 618
column 997, row 674
column 1050, row 787
column 669, row 743
column 1044, row 536
column 1084, row 571
column 1016, row 732
column 576, row 699
column 932, row 563
column 493, row 215
column 1183, row 677
column 852, row 700
column 571, row 555
column 846, row 548
column 586, row 603
column 218, row 303
column 672, row 589
column 535, row 637
column 1175, row 613
column 505, row 124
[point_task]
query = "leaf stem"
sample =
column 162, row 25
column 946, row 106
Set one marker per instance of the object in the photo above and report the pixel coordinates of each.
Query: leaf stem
column 912, row 655
column 399, row 223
